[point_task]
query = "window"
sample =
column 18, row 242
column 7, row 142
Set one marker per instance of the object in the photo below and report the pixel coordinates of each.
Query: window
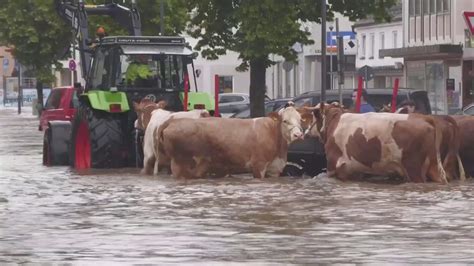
column 411, row 8
column 417, row 7
column 304, row 102
column 74, row 101
column 372, row 46
column 446, row 6
column 362, row 52
column 432, row 6
column 231, row 99
column 226, row 84
column 439, row 6
column 426, row 7
column 54, row 99
column 382, row 43
column 395, row 39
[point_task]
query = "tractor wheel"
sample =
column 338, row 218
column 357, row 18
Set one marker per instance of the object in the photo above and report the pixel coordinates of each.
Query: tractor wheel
column 97, row 140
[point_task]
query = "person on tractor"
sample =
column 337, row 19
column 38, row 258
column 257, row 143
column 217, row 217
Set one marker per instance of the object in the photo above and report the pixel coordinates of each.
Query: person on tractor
column 139, row 72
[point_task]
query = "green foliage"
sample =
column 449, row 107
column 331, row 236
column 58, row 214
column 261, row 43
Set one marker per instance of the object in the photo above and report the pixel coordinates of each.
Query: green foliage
column 36, row 34
column 256, row 29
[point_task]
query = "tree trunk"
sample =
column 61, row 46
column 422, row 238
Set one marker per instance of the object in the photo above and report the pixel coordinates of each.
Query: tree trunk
column 257, row 87
column 39, row 92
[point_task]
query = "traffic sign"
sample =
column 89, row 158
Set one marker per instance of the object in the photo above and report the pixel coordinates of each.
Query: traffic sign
column 366, row 72
column 72, row 65
column 469, row 16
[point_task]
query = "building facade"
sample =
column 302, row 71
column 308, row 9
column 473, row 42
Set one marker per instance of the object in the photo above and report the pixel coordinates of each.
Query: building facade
column 373, row 37
column 437, row 52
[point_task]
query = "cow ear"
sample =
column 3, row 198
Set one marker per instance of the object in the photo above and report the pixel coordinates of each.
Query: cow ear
column 274, row 115
column 318, row 111
column 136, row 107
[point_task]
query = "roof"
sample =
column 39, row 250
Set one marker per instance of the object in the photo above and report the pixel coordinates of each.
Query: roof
column 429, row 51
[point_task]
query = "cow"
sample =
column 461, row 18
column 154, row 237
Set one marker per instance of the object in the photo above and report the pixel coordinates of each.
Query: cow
column 379, row 144
column 222, row 146
column 466, row 147
column 150, row 117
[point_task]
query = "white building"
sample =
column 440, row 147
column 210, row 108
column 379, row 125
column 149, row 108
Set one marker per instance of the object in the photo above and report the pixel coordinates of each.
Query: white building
column 437, row 51
column 373, row 37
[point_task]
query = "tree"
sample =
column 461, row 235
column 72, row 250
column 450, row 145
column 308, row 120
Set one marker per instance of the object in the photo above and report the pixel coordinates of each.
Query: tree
column 36, row 34
column 257, row 29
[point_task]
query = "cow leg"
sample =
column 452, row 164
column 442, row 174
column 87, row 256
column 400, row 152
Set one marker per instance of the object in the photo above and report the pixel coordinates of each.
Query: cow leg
column 181, row 168
column 436, row 172
column 202, row 167
column 462, row 173
column 148, row 164
column 259, row 170
column 449, row 166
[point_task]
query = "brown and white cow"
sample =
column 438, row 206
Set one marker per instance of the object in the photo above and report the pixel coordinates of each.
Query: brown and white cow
column 224, row 146
column 150, row 117
column 379, row 144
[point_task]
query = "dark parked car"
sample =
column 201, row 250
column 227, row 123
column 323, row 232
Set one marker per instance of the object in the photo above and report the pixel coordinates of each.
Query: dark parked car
column 308, row 157
column 270, row 106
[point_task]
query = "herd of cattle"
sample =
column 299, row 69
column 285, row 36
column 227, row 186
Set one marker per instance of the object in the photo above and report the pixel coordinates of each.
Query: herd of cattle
column 415, row 147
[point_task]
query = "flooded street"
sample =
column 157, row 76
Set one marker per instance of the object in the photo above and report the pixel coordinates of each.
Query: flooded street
column 119, row 216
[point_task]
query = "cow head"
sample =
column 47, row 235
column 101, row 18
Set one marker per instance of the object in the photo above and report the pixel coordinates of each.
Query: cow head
column 144, row 111
column 290, row 121
column 322, row 114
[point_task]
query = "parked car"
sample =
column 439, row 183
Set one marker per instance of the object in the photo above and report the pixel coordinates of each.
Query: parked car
column 61, row 106
column 308, row 157
column 468, row 110
column 230, row 103
column 270, row 106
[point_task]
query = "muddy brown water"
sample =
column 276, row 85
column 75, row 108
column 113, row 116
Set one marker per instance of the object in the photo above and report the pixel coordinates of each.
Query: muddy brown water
column 56, row 215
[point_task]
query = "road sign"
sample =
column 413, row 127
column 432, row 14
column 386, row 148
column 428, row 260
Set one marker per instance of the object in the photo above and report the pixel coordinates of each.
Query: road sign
column 72, row 65
column 469, row 16
column 366, row 72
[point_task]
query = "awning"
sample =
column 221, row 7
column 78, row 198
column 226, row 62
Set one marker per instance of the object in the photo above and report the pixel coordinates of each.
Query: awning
column 156, row 49
column 425, row 52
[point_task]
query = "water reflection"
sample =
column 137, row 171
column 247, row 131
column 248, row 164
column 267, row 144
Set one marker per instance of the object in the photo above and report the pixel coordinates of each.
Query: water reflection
column 58, row 215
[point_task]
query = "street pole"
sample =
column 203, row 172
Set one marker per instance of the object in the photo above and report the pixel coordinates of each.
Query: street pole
column 19, row 88
column 330, row 59
column 340, row 61
column 162, row 17
column 323, row 51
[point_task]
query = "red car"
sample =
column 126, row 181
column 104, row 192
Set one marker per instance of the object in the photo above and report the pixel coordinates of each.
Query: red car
column 61, row 105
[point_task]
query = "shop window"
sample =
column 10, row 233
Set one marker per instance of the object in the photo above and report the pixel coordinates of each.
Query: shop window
column 226, row 84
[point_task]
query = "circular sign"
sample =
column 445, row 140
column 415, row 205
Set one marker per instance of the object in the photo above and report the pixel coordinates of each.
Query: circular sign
column 72, row 65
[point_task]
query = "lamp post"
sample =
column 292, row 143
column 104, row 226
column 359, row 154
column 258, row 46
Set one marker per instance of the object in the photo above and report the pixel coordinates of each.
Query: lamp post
column 331, row 27
column 323, row 51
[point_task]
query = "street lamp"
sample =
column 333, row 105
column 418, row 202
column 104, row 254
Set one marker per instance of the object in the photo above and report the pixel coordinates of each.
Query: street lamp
column 331, row 27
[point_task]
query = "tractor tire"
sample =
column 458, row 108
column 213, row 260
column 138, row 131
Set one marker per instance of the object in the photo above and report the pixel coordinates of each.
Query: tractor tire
column 97, row 140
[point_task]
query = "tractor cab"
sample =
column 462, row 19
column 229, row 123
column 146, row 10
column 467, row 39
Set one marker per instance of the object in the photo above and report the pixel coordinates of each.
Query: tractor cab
column 152, row 67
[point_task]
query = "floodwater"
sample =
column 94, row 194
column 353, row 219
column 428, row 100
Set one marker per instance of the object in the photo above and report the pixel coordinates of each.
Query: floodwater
column 56, row 215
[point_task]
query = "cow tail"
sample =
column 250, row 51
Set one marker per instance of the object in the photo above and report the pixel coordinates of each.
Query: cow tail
column 455, row 146
column 438, row 140
column 160, row 136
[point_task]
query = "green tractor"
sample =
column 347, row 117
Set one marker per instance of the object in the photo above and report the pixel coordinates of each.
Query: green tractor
column 102, row 133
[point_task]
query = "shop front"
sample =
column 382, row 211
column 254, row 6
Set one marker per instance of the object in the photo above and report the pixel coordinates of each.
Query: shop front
column 437, row 69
